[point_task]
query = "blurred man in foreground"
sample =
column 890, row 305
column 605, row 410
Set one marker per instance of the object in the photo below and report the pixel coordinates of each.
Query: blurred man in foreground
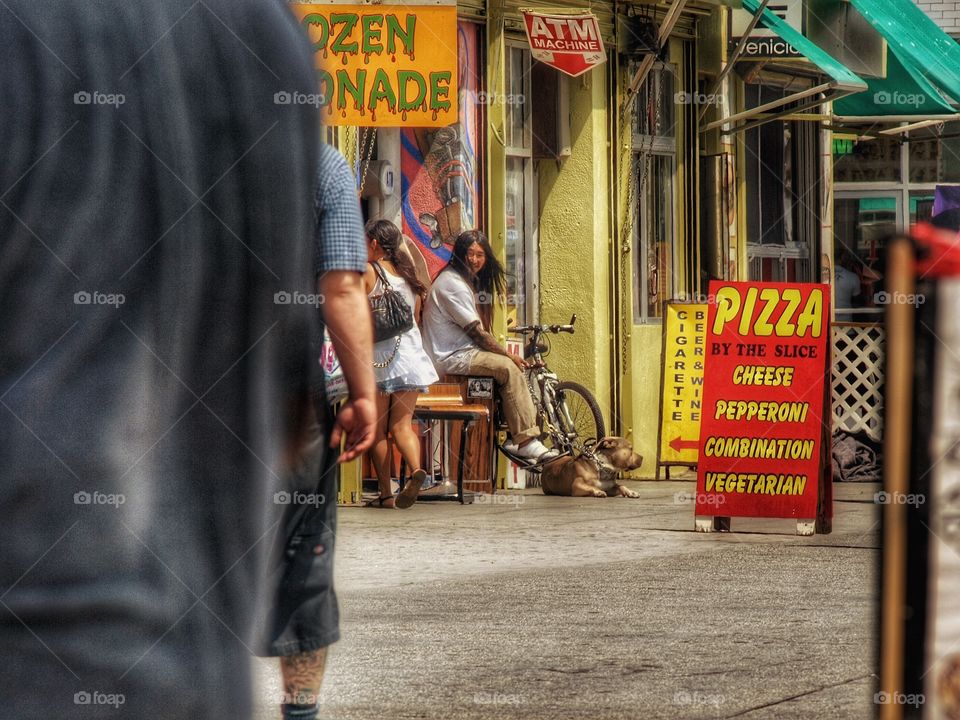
column 303, row 617
column 155, row 210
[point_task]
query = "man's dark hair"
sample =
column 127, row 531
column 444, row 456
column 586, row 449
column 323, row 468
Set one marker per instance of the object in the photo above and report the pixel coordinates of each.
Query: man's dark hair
column 491, row 279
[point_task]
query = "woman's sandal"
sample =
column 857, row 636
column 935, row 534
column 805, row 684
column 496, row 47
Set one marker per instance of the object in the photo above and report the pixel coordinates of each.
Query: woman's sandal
column 411, row 488
column 381, row 502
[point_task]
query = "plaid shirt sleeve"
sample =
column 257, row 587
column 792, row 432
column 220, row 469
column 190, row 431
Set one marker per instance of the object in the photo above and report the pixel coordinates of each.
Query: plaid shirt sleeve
column 339, row 242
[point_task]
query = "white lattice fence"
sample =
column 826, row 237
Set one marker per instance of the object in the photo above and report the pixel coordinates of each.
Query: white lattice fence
column 858, row 353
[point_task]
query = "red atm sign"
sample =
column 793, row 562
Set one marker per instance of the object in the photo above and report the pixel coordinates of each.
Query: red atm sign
column 567, row 40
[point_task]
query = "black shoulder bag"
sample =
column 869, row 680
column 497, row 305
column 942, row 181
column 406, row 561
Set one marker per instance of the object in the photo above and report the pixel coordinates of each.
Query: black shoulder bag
column 391, row 315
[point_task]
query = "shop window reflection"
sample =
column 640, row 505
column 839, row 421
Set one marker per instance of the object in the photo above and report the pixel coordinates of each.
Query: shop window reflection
column 520, row 186
column 654, row 146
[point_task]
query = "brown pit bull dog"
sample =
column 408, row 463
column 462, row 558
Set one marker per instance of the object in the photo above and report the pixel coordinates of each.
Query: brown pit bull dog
column 586, row 476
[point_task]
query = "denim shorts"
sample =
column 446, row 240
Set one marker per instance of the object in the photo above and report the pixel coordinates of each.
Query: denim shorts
column 389, row 387
column 302, row 612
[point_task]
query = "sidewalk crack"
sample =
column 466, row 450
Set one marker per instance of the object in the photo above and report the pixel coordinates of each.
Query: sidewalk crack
column 798, row 695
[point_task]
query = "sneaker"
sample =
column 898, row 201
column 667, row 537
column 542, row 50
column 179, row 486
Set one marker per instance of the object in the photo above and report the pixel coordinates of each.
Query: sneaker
column 535, row 451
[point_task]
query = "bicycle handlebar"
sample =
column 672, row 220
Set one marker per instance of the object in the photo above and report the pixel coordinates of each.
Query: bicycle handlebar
column 527, row 329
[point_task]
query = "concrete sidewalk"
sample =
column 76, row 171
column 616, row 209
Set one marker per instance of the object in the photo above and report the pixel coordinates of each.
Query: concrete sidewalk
column 535, row 607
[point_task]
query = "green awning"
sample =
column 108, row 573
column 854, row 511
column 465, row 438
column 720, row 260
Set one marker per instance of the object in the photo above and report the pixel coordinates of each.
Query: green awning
column 840, row 81
column 843, row 78
column 903, row 92
column 916, row 39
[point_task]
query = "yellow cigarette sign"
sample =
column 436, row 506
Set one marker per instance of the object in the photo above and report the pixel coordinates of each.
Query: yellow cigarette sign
column 384, row 65
column 685, row 327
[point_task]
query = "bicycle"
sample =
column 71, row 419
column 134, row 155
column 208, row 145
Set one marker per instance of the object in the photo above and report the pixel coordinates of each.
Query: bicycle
column 567, row 412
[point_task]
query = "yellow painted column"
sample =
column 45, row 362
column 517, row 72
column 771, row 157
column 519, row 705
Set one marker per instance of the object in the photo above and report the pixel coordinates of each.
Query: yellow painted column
column 496, row 165
column 496, row 168
column 575, row 242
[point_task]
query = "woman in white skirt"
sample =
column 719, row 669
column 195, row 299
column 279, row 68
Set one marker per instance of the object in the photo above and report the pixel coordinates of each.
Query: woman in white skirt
column 402, row 371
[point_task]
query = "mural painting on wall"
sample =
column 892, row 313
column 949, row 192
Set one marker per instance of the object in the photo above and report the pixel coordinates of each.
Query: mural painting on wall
column 439, row 166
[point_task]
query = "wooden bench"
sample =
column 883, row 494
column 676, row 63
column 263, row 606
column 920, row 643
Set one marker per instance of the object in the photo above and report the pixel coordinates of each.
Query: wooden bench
column 444, row 402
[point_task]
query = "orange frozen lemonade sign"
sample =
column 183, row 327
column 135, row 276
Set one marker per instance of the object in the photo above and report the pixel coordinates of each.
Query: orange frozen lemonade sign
column 384, row 65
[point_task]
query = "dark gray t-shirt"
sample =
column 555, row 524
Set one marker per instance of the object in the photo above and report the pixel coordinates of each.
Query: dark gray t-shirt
column 154, row 201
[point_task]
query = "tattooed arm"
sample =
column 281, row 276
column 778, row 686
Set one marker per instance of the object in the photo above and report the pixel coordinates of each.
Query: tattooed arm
column 486, row 341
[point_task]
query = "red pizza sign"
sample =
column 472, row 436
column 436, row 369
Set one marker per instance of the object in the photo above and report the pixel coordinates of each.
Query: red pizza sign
column 767, row 357
column 567, row 40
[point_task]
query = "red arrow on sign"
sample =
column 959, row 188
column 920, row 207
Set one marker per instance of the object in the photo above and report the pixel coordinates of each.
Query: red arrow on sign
column 679, row 445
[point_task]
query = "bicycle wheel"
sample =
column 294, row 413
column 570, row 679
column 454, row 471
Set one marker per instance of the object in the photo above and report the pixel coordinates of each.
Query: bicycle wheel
column 579, row 413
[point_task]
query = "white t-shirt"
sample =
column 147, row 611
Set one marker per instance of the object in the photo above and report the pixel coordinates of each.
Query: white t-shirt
column 450, row 307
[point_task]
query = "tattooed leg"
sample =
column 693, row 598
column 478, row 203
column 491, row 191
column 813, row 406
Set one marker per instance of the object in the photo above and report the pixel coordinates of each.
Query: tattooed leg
column 302, row 677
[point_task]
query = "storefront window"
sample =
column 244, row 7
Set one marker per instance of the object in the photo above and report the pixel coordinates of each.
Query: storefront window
column 924, row 159
column 862, row 224
column 765, row 162
column 782, row 172
column 655, row 103
column 884, row 198
column 950, row 153
column 867, row 160
column 516, row 239
column 520, row 242
column 518, row 89
column 921, row 205
column 654, row 147
column 655, row 256
column 931, row 159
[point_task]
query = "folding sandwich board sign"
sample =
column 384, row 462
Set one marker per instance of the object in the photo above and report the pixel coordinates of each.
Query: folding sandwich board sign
column 764, row 433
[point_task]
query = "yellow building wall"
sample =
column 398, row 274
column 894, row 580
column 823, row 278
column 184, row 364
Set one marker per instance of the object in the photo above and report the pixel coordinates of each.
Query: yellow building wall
column 575, row 242
column 643, row 383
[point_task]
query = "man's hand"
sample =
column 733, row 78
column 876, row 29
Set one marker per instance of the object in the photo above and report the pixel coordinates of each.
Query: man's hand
column 519, row 362
column 347, row 315
column 357, row 420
